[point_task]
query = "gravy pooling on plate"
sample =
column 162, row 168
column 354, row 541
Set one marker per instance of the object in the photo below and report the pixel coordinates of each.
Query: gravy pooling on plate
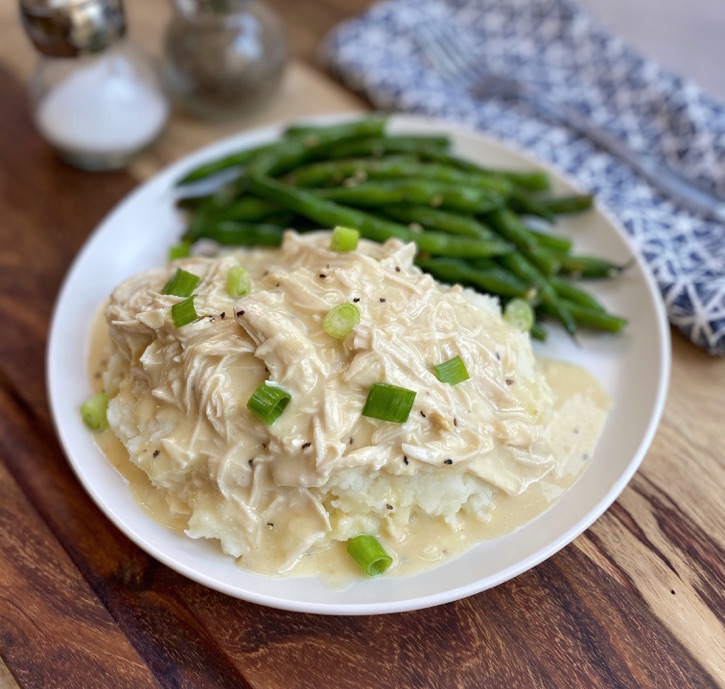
column 472, row 461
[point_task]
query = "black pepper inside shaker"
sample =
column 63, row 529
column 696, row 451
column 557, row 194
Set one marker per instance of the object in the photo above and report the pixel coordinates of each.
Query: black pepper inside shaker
column 224, row 58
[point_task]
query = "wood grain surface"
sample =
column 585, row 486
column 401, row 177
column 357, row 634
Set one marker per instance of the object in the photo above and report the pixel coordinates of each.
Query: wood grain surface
column 636, row 601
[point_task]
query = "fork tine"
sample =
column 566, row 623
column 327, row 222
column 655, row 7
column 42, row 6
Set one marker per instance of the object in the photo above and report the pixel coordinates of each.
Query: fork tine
column 440, row 45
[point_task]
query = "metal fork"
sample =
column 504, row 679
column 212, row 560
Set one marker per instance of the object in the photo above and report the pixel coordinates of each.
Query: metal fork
column 454, row 57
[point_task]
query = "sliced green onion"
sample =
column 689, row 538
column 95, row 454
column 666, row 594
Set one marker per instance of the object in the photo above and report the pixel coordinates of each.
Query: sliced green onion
column 181, row 284
column 238, row 282
column 520, row 314
column 388, row 403
column 184, row 312
column 268, row 402
column 369, row 554
column 452, row 371
column 93, row 412
column 181, row 250
column 341, row 319
column 344, row 239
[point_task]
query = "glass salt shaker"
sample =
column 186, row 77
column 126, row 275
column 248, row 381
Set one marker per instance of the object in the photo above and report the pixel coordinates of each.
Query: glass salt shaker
column 224, row 58
column 97, row 98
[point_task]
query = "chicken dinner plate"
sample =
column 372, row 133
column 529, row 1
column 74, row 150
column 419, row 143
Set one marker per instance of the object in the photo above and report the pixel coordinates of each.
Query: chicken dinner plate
column 633, row 368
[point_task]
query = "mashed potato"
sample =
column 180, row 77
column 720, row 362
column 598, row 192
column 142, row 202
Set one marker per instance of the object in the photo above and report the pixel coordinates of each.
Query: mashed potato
column 322, row 473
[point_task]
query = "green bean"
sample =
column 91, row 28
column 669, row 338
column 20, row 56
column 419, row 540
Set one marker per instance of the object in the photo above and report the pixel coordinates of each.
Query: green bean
column 326, row 213
column 538, row 332
column 328, row 172
column 281, row 151
column 419, row 192
column 534, row 180
column 508, row 225
column 570, row 293
column 443, row 221
column 526, row 204
column 223, row 206
column 218, row 165
column 527, row 271
column 319, row 133
column 329, row 214
column 229, row 232
column 591, row 267
column 442, row 244
column 391, row 167
column 191, row 203
column 568, row 204
column 490, row 278
column 247, row 208
column 556, row 242
column 591, row 318
column 380, row 146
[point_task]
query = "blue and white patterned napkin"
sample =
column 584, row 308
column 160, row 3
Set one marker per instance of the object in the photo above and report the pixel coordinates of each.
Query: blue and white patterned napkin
column 560, row 47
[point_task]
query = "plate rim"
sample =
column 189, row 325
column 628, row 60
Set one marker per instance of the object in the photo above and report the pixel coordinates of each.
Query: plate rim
column 249, row 138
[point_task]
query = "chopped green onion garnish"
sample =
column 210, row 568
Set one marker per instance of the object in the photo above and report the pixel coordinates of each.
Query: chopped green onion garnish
column 452, row 371
column 181, row 284
column 184, row 312
column 238, row 282
column 181, row 250
column 268, row 402
column 520, row 314
column 94, row 411
column 369, row 554
column 388, row 403
column 344, row 239
column 341, row 319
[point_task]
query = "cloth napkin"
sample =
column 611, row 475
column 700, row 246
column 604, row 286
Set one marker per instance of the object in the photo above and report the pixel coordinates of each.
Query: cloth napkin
column 560, row 47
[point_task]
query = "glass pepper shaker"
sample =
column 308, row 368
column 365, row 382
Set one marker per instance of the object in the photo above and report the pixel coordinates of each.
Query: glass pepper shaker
column 97, row 98
column 224, row 58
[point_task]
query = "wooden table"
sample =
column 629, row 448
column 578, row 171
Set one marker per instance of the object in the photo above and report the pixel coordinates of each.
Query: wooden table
column 636, row 601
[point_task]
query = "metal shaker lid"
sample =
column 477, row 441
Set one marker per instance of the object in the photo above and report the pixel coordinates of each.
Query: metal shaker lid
column 68, row 28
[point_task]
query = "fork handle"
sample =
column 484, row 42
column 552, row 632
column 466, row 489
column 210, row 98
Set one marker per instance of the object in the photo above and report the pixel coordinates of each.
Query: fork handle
column 659, row 175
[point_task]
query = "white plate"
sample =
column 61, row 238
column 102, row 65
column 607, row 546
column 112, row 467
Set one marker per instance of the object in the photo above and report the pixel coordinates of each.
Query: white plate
column 633, row 367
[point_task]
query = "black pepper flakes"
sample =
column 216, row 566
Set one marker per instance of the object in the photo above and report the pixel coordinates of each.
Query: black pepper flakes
column 156, row 453
column 405, row 460
column 240, row 313
column 448, row 461
column 349, row 442
column 383, row 300
column 509, row 381
column 455, row 421
column 397, row 269
column 270, row 524
column 355, row 300
column 422, row 413
column 251, row 462
column 388, row 506
column 223, row 315
column 323, row 275
column 306, row 445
